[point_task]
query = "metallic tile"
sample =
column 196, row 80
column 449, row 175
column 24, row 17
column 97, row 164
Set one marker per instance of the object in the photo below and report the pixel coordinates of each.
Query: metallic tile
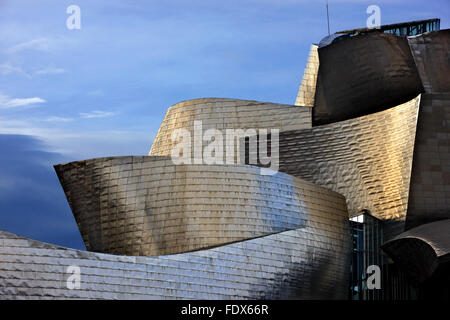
column 307, row 89
column 270, row 267
column 184, row 207
column 364, row 74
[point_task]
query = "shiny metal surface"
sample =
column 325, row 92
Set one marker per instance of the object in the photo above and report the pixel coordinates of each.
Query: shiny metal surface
column 262, row 237
column 422, row 252
column 429, row 192
column 150, row 206
column 221, row 114
column 366, row 159
column 307, row 263
column 364, row 74
column 307, row 89
column 431, row 53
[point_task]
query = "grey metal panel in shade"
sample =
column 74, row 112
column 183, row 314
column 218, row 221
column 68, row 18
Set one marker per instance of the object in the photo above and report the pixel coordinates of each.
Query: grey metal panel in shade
column 431, row 53
column 366, row 159
column 429, row 192
column 364, row 74
column 307, row 263
column 142, row 205
column 422, row 251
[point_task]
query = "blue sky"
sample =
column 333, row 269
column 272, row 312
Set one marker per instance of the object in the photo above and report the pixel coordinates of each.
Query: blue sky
column 103, row 90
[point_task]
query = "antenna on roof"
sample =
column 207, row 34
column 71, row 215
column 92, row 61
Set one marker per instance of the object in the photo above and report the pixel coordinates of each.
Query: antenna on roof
column 328, row 20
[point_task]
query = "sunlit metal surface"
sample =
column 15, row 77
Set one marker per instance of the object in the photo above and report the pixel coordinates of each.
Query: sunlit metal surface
column 366, row 159
column 307, row 90
column 150, row 206
column 221, row 114
column 307, row 263
column 264, row 236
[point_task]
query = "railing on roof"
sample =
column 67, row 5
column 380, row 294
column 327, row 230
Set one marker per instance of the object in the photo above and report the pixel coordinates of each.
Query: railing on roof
column 401, row 29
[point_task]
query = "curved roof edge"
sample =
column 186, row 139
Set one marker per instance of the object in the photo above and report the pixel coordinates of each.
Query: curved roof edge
column 217, row 99
column 422, row 251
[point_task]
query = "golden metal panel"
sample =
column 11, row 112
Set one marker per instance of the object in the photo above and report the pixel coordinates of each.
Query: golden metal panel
column 366, row 159
column 150, row 206
column 307, row 89
column 224, row 114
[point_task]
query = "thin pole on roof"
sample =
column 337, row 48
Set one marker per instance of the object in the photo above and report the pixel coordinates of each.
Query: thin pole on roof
column 328, row 20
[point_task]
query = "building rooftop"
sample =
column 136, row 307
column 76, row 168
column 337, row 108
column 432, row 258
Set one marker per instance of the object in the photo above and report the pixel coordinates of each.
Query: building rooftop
column 411, row 28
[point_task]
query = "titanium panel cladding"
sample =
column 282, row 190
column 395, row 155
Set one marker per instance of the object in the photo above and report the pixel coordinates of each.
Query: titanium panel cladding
column 364, row 74
column 149, row 206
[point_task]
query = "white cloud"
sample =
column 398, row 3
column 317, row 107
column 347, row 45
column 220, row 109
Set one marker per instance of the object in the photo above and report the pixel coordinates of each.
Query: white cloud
column 97, row 114
column 7, row 102
column 41, row 44
column 58, row 119
column 7, row 68
column 95, row 143
column 50, row 71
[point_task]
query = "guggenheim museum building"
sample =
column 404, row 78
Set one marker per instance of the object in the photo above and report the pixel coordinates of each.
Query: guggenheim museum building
column 354, row 202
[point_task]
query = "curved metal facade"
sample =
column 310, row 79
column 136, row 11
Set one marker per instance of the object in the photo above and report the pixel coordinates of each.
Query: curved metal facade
column 226, row 231
column 150, row 206
column 431, row 52
column 429, row 191
column 307, row 90
column 423, row 251
column 364, row 74
column 430, row 179
column 219, row 113
column 306, row 263
column 366, row 159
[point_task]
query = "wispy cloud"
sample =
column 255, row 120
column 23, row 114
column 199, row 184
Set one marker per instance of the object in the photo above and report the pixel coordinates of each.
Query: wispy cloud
column 50, row 71
column 95, row 143
column 7, row 102
column 44, row 44
column 58, row 119
column 97, row 114
column 7, row 68
column 41, row 44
